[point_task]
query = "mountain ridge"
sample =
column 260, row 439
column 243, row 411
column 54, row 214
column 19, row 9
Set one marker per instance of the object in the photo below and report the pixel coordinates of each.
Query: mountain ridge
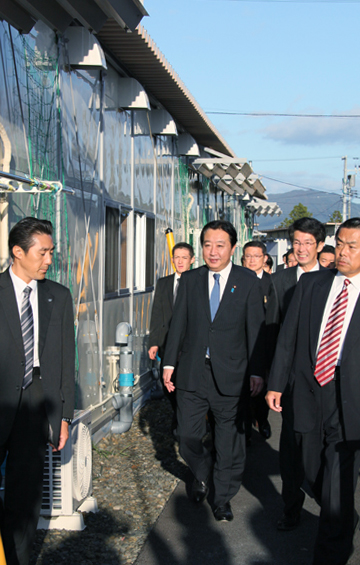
column 320, row 204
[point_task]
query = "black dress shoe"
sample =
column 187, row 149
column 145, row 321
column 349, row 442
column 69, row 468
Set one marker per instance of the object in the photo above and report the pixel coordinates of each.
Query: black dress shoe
column 199, row 490
column 265, row 429
column 223, row 513
column 288, row 523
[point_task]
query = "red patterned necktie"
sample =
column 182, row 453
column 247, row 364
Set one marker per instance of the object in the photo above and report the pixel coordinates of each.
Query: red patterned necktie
column 330, row 341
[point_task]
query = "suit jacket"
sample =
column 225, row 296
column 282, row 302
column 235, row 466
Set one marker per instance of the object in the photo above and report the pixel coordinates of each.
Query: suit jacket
column 282, row 287
column 161, row 314
column 295, row 356
column 235, row 337
column 56, row 353
column 265, row 282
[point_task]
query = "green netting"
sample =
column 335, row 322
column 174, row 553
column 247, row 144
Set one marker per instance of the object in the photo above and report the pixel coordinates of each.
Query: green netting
column 39, row 84
column 36, row 76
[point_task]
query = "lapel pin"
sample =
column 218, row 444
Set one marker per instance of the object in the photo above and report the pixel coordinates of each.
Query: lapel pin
column 233, row 288
column 50, row 299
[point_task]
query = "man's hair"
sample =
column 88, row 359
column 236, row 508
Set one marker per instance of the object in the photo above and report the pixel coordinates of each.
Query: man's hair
column 183, row 245
column 220, row 225
column 269, row 261
column 287, row 255
column 350, row 224
column 327, row 249
column 22, row 234
column 255, row 243
column 308, row 225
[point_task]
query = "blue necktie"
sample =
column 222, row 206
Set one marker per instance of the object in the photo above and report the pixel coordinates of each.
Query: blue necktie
column 27, row 330
column 215, row 296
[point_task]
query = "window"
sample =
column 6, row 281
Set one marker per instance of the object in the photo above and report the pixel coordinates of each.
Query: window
column 124, row 249
column 144, row 247
column 116, row 250
column 150, row 251
column 112, row 222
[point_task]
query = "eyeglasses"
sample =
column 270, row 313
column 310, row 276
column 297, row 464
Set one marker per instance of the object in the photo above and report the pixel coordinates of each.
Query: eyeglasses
column 248, row 257
column 303, row 243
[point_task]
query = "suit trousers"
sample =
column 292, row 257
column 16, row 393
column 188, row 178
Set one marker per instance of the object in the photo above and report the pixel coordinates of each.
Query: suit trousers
column 290, row 458
column 229, row 440
column 332, row 468
column 25, row 450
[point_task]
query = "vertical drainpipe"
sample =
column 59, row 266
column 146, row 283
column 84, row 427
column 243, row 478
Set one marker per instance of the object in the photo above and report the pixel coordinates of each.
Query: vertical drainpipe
column 172, row 183
column 155, row 210
column 102, row 242
column 58, row 200
column 130, row 261
column 4, row 231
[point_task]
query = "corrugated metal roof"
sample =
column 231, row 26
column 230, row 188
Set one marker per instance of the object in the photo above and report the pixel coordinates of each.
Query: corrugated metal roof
column 138, row 54
column 59, row 14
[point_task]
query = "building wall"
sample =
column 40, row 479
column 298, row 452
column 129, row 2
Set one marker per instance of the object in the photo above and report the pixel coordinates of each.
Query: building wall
column 127, row 187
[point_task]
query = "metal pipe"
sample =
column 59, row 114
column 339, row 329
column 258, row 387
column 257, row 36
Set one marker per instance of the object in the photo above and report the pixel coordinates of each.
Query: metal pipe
column 123, row 400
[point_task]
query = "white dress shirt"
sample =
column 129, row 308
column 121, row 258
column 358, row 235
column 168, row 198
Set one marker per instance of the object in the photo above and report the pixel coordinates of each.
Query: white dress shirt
column 353, row 295
column 19, row 286
column 176, row 281
column 224, row 275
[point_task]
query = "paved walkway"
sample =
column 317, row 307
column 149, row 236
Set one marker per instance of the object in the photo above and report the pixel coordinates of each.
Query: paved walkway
column 187, row 534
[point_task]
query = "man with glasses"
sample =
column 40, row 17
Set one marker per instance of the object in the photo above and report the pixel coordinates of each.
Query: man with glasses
column 254, row 258
column 307, row 236
column 318, row 347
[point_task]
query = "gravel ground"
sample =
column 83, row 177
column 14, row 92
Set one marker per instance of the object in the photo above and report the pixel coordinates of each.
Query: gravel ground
column 134, row 474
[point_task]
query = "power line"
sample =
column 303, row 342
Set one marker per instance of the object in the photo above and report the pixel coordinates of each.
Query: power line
column 293, row 1
column 291, row 184
column 293, row 159
column 281, row 115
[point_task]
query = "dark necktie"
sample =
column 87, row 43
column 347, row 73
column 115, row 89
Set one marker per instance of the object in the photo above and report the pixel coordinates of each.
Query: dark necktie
column 330, row 341
column 176, row 290
column 27, row 330
column 215, row 296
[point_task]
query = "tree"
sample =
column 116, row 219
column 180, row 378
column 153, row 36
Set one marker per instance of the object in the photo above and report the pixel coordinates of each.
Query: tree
column 336, row 217
column 299, row 211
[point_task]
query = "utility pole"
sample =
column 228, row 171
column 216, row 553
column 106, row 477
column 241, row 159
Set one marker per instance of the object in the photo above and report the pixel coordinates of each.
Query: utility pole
column 348, row 183
column 344, row 189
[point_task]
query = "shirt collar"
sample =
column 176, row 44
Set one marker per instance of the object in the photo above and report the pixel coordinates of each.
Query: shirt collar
column 225, row 272
column 354, row 280
column 300, row 271
column 19, row 284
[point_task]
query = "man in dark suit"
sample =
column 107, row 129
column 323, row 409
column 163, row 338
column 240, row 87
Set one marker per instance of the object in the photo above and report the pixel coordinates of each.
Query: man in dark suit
column 37, row 352
column 318, row 351
column 217, row 325
column 162, row 309
column 307, row 236
column 254, row 258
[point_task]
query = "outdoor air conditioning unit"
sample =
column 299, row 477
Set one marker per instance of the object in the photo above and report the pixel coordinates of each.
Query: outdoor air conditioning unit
column 68, row 480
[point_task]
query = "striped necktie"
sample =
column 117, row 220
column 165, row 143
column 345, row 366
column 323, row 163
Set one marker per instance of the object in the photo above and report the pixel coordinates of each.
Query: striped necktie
column 27, row 330
column 330, row 341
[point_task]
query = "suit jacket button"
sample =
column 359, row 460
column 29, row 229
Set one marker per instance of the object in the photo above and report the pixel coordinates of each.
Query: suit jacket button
column 22, row 363
column 18, row 388
column 312, row 390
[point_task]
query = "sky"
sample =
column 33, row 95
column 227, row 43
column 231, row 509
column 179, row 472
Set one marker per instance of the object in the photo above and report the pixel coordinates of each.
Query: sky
column 272, row 57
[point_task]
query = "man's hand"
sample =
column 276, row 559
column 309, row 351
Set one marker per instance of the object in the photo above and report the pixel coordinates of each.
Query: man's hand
column 273, row 399
column 167, row 374
column 64, row 436
column 256, row 385
column 153, row 352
